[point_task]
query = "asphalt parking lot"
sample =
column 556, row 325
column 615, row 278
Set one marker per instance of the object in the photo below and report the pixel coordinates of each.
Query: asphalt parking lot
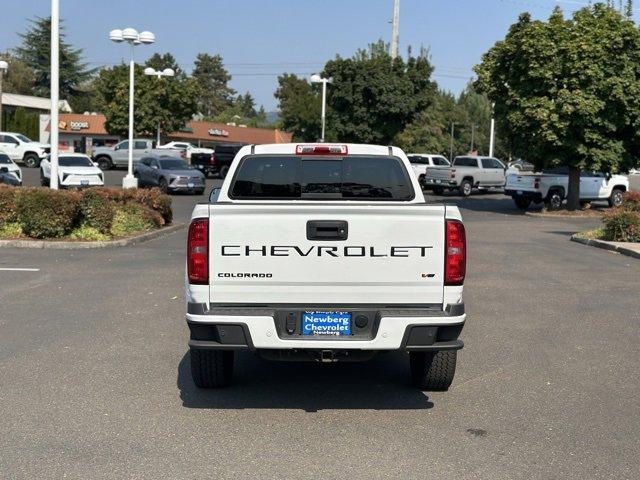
column 95, row 383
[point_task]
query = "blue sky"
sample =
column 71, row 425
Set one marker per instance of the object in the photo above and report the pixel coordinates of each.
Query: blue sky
column 259, row 39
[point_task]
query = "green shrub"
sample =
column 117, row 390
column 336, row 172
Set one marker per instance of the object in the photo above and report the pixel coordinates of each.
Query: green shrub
column 86, row 232
column 8, row 211
column 97, row 211
column 131, row 218
column 10, row 230
column 152, row 198
column 622, row 225
column 45, row 213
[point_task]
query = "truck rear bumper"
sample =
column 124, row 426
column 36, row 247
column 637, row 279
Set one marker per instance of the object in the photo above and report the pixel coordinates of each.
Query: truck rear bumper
column 534, row 196
column 260, row 328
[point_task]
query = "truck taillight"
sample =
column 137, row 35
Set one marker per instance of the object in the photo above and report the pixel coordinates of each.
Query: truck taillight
column 213, row 161
column 536, row 183
column 322, row 150
column 453, row 173
column 198, row 252
column 455, row 258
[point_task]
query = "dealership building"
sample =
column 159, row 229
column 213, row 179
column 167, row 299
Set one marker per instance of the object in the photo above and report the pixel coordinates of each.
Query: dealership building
column 82, row 132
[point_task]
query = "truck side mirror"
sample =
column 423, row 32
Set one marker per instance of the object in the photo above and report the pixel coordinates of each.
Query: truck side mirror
column 215, row 193
column 607, row 176
column 4, row 170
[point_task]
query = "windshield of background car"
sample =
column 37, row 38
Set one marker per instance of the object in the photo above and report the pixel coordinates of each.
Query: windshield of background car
column 359, row 177
column 24, row 139
column 5, row 159
column 441, row 162
column 174, row 164
column 75, row 162
column 418, row 160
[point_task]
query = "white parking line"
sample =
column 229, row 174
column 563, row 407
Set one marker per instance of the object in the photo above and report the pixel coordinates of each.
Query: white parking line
column 19, row 269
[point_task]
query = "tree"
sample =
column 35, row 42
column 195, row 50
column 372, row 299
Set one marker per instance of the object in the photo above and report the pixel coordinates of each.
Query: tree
column 166, row 60
column 35, row 52
column 373, row 97
column 299, row 106
column 212, row 78
column 19, row 78
column 169, row 102
column 567, row 91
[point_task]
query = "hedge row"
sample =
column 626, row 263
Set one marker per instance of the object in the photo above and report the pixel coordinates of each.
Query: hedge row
column 622, row 224
column 92, row 213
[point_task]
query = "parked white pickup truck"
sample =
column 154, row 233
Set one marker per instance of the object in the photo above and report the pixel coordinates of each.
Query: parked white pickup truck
column 19, row 148
column 552, row 188
column 118, row 155
column 324, row 253
column 421, row 162
column 188, row 148
column 465, row 174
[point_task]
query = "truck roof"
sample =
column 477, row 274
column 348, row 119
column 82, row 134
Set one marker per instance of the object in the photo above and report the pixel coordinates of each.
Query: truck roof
column 291, row 148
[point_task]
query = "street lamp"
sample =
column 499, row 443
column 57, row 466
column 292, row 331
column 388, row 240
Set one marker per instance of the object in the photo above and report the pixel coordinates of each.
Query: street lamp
column 167, row 72
column 4, row 66
column 133, row 38
column 315, row 78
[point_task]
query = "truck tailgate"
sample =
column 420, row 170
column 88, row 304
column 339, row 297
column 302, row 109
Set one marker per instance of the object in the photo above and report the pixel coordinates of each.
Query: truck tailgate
column 439, row 173
column 261, row 254
column 523, row 182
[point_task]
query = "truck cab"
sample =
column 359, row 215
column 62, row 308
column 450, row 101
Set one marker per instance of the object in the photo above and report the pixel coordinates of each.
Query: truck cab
column 324, row 253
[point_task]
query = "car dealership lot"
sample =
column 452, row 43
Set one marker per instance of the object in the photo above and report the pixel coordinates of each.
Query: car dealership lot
column 95, row 374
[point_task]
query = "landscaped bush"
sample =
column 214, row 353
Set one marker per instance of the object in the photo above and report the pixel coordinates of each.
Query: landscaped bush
column 97, row 211
column 632, row 201
column 131, row 218
column 93, row 214
column 8, row 211
column 45, row 213
column 622, row 225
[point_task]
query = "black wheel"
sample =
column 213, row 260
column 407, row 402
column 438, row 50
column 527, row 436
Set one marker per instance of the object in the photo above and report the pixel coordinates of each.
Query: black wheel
column 433, row 370
column 104, row 163
column 223, row 172
column 465, row 188
column 522, row 203
column 31, row 160
column 438, row 190
column 211, row 368
column 617, row 198
column 554, row 200
column 421, row 181
column 163, row 185
column 43, row 180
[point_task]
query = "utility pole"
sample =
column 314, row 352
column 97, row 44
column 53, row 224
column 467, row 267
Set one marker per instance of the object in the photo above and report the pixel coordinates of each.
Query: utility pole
column 3, row 67
column 395, row 30
column 493, row 131
column 451, row 143
column 55, row 91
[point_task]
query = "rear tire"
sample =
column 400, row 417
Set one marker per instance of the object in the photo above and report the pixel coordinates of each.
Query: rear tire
column 211, row 368
column 616, row 199
column 465, row 188
column 104, row 163
column 223, row 172
column 433, row 370
column 31, row 160
column 522, row 203
column 163, row 185
column 554, row 201
column 43, row 180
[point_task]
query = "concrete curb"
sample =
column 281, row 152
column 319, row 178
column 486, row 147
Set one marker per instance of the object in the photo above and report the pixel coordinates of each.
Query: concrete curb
column 551, row 215
column 65, row 245
column 613, row 247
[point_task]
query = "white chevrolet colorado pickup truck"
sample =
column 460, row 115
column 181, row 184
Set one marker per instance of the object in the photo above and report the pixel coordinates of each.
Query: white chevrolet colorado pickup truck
column 551, row 188
column 324, row 253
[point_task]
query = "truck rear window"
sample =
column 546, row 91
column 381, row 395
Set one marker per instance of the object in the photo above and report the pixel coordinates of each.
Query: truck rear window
column 359, row 177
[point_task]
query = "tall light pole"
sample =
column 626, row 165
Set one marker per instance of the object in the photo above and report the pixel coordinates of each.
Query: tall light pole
column 492, row 134
column 315, row 78
column 55, row 92
column 167, row 72
column 133, row 38
column 395, row 30
column 3, row 68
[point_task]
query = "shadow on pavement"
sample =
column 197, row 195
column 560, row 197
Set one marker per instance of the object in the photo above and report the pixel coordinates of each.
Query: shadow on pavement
column 379, row 384
column 494, row 202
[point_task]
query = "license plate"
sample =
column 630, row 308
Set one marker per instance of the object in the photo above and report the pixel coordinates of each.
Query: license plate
column 84, row 182
column 191, row 185
column 438, row 181
column 326, row 323
column 519, row 192
column 199, row 167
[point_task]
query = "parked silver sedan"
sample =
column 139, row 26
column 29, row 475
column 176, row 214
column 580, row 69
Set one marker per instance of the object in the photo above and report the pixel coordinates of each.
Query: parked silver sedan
column 170, row 174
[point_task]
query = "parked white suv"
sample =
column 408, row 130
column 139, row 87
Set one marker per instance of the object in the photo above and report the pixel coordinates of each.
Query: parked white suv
column 552, row 188
column 465, row 174
column 20, row 148
column 421, row 162
column 324, row 253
